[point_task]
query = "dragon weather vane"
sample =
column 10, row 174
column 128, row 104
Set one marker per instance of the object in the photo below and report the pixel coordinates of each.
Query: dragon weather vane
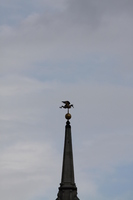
column 67, row 105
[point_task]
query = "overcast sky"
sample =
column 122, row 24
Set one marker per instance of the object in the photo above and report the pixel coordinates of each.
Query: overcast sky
column 76, row 50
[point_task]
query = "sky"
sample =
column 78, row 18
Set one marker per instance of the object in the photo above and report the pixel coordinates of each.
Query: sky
column 81, row 51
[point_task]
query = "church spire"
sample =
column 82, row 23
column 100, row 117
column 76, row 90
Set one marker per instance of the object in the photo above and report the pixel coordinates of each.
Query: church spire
column 67, row 189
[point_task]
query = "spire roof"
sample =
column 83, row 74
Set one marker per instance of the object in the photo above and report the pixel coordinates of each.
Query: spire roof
column 67, row 189
column 67, row 167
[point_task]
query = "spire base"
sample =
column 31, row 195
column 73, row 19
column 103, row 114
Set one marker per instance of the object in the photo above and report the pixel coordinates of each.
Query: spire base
column 67, row 194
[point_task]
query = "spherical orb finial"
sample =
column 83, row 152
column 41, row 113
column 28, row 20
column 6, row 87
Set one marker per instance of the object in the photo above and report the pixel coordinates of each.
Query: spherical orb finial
column 68, row 116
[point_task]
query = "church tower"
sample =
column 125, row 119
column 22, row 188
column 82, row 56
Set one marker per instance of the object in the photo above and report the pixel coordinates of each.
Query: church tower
column 67, row 189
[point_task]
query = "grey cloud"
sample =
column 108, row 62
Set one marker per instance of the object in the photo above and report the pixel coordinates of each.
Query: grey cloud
column 21, row 172
column 79, row 31
column 101, row 119
column 94, row 11
column 30, row 116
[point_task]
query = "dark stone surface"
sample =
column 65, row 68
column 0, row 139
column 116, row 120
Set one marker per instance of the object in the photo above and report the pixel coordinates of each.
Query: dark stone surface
column 67, row 189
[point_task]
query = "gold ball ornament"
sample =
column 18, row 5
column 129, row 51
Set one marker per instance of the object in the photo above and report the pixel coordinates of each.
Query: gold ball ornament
column 68, row 116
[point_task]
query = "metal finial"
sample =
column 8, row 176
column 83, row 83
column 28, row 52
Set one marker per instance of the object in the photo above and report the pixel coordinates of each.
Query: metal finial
column 68, row 106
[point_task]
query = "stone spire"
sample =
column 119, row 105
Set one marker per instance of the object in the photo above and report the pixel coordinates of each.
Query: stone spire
column 67, row 189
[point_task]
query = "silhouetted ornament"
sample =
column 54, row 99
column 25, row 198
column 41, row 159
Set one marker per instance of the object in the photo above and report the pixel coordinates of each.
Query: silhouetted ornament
column 68, row 116
column 67, row 105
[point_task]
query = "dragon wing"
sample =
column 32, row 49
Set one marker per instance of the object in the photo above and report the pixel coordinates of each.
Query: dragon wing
column 66, row 102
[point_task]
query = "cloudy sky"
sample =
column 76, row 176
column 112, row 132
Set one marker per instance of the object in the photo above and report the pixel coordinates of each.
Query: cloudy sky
column 54, row 50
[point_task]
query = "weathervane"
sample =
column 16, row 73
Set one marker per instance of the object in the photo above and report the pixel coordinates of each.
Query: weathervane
column 68, row 106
